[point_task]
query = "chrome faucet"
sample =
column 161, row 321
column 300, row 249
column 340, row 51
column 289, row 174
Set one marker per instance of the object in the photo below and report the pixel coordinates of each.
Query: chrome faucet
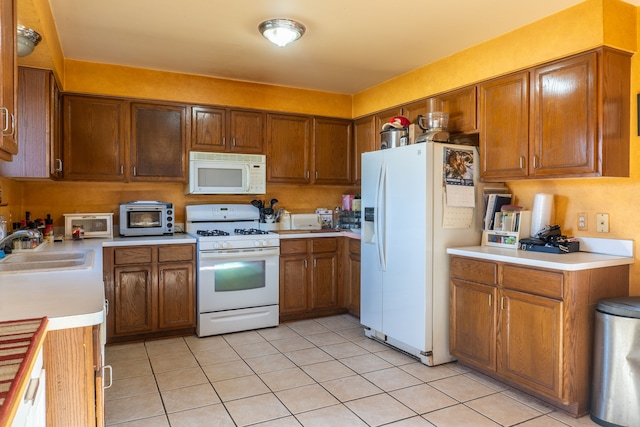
column 17, row 234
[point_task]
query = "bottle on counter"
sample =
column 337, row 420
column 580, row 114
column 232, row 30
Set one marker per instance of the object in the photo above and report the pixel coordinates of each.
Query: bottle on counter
column 48, row 229
column 3, row 227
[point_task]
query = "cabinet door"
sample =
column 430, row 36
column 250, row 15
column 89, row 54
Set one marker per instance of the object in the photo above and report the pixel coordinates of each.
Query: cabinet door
column 8, row 78
column 294, row 293
column 133, row 306
column 93, row 138
column 158, row 141
column 288, row 145
column 332, row 151
column 461, row 106
column 352, row 279
column 247, row 131
column 208, row 129
column 414, row 110
column 504, row 127
column 324, row 281
column 530, row 344
column 364, row 140
column 564, row 117
column 70, row 384
column 472, row 333
column 176, row 296
column 35, row 127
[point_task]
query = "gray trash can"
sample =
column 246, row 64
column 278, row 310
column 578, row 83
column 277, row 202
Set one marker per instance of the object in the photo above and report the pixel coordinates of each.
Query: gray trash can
column 615, row 395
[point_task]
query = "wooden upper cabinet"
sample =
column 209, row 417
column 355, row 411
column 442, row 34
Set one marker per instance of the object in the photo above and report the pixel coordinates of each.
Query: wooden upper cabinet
column 414, row 110
column 93, row 138
column 461, row 106
column 504, row 127
column 37, row 99
column 227, row 130
column 288, row 149
column 332, row 151
column 208, row 129
column 247, row 131
column 364, row 140
column 8, row 79
column 578, row 119
column 564, row 118
column 158, row 142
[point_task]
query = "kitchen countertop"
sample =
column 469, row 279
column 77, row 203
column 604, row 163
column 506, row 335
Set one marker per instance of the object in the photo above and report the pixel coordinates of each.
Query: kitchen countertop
column 620, row 255
column 149, row 240
column 307, row 234
column 69, row 298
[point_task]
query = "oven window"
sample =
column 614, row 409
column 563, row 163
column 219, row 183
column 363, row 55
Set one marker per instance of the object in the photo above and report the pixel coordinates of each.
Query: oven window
column 144, row 219
column 239, row 275
column 220, row 177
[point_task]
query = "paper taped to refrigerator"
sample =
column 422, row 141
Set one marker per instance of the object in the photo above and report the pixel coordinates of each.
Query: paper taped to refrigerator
column 458, row 169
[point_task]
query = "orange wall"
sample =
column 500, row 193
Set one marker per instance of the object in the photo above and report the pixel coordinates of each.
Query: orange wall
column 570, row 31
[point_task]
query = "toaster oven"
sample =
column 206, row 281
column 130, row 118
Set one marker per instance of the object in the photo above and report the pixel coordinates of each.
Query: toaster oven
column 146, row 218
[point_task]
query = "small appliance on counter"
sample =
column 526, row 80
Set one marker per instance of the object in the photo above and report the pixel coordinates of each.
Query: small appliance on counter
column 395, row 133
column 434, row 128
column 146, row 218
column 306, row 222
column 93, row 225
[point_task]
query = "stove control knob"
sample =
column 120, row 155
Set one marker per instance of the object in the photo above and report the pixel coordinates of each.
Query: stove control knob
column 225, row 245
column 215, row 245
column 256, row 243
column 264, row 243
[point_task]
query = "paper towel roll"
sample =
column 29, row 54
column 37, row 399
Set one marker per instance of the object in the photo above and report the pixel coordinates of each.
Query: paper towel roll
column 542, row 213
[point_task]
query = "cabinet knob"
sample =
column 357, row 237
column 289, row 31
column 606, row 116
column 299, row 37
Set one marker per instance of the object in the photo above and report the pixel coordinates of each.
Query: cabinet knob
column 59, row 165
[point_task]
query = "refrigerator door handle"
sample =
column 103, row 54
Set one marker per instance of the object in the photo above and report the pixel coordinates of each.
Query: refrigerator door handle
column 381, row 217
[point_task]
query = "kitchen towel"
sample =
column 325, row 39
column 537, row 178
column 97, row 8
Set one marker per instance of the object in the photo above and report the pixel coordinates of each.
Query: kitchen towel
column 542, row 214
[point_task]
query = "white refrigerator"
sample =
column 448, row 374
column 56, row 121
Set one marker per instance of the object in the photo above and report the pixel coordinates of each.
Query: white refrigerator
column 417, row 200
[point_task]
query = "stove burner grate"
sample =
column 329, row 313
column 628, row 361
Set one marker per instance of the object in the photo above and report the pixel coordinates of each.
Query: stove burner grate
column 249, row 231
column 212, row 233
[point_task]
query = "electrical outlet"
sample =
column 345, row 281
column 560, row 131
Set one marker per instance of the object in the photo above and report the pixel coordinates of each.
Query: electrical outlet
column 582, row 221
column 602, row 223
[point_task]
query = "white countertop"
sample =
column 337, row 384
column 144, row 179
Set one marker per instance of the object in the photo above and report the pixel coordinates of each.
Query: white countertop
column 309, row 234
column 569, row 262
column 69, row 298
column 149, row 240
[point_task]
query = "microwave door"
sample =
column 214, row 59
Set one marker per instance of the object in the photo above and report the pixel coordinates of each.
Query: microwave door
column 222, row 178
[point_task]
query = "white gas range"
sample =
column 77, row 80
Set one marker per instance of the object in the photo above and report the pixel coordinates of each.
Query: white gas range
column 238, row 268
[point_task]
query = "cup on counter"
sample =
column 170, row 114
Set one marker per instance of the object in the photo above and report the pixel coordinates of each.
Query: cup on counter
column 77, row 233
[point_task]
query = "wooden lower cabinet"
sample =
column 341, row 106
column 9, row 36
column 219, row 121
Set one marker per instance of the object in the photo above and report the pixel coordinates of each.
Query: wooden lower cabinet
column 352, row 276
column 72, row 362
column 530, row 327
column 310, row 278
column 151, row 290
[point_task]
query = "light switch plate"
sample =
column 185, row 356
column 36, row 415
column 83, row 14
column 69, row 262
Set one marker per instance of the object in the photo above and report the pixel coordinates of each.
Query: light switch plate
column 602, row 223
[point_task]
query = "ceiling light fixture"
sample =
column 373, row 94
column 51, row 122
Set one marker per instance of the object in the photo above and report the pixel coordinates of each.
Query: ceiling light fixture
column 28, row 39
column 281, row 31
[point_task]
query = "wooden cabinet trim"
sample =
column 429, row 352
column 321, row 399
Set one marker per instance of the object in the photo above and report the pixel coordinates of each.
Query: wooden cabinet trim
column 547, row 283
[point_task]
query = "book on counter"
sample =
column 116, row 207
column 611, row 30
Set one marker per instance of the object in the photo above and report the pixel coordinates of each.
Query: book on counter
column 493, row 205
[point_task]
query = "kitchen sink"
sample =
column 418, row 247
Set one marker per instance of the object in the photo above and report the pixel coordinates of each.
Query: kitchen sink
column 46, row 261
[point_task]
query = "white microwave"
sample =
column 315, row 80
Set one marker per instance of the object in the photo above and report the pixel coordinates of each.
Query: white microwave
column 223, row 173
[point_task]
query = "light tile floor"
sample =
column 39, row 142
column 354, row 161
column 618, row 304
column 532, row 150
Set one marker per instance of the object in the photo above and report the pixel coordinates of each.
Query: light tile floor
column 321, row 372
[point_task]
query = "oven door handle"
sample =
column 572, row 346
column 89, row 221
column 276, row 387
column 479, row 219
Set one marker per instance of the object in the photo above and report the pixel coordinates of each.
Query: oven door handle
column 239, row 254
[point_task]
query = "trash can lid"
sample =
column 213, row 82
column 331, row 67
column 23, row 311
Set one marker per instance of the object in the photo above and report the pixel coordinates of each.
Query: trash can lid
column 621, row 306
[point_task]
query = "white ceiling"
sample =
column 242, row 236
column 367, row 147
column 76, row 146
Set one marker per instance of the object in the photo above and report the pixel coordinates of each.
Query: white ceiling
column 350, row 45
